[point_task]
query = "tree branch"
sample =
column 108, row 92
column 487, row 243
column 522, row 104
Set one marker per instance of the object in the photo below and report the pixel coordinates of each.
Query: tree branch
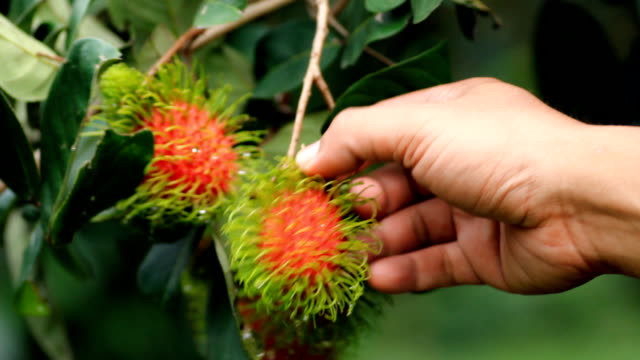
column 339, row 6
column 174, row 49
column 313, row 72
column 345, row 33
column 195, row 38
column 322, row 85
column 252, row 12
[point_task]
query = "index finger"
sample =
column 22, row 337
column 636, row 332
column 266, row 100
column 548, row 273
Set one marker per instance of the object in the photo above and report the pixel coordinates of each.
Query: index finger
column 388, row 131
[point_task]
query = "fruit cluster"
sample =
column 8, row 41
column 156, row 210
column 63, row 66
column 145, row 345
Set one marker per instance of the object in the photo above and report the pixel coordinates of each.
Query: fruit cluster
column 297, row 252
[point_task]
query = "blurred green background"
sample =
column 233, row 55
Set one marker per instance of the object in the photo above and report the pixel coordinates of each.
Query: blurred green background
column 578, row 65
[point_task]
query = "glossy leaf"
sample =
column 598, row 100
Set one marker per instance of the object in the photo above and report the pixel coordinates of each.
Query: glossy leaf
column 144, row 15
column 369, row 31
column 18, row 170
column 228, row 67
column 31, row 256
column 424, row 70
column 74, row 259
column 195, row 297
column 48, row 331
column 27, row 70
column 51, row 334
column 285, row 41
column 160, row 271
column 63, row 113
column 481, row 8
column 58, row 13
column 216, row 12
column 246, row 38
column 7, row 201
column 224, row 339
column 78, row 11
column 378, row 6
column 21, row 12
column 423, row 8
column 93, row 187
column 289, row 75
column 30, row 302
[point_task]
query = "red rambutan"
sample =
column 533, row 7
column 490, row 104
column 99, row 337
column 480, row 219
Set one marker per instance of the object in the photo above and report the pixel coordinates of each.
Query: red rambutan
column 296, row 246
column 199, row 149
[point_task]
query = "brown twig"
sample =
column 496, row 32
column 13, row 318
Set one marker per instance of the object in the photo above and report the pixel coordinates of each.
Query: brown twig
column 338, row 7
column 322, row 85
column 182, row 41
column 313, row 72
column 55, row 58
column 371, row 52
column 252, row 11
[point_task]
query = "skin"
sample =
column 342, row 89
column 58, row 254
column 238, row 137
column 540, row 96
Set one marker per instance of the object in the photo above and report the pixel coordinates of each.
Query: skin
column 485, row 184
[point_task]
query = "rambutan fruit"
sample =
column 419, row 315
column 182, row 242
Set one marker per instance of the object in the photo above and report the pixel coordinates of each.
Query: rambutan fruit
column 118, row 82
column 275, row 336
column 296, row 246
column 198, row 149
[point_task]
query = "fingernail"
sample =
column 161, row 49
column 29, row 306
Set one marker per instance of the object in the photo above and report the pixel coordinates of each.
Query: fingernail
column 306, row 155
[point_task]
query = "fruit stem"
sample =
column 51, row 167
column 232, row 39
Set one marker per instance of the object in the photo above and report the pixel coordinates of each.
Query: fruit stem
column 312, row 75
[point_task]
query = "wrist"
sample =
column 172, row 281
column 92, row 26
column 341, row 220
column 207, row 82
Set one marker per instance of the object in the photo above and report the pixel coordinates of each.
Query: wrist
column 601, row 190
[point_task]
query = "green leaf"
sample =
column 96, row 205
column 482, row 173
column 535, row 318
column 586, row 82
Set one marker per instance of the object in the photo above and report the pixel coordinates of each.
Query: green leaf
column 482, row 9
column 378, row 6
column 58, row 13
column 423, row 8
column 30, row 302
column 48, row 331
column 216, row 12
column 286, row 40
column 424, row 70
column 144, row 15
column 18, row 170
column 369, row 31
column 75, row 259
column 93, row 188
column 160, row 271
column 224, row 339
column 246, row 38
column 78, row 11
column 27, row 72
column 153, row 46
column 21, row 12
column 7, row 201
column 63, row 112
column 226, row 66
column 195, row 297
column 140, row 14
column 31, row 256
column 289, row 75
column 279, row 144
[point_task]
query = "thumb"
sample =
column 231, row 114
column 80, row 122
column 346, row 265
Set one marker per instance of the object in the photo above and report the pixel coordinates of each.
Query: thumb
column 359, row 135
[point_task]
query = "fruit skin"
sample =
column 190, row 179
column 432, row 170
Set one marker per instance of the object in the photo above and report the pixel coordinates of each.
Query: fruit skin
column 278, row 337
column 118, row 82
column 296, row 246
column 199, row 145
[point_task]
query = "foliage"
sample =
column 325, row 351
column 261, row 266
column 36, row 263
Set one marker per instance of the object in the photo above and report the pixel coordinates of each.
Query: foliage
column 79, row 155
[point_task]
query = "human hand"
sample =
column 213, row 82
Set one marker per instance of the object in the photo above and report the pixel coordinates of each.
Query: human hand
column 487, row 185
